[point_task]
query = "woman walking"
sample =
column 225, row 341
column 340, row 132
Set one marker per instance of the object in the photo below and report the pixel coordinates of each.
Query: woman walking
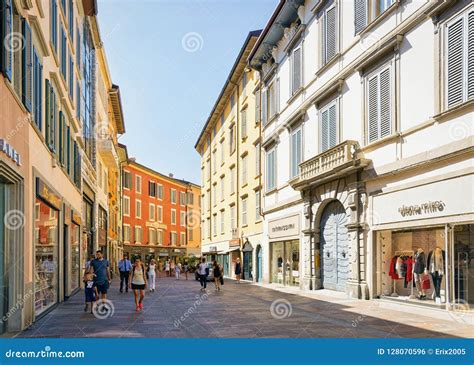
column 238, row 270
column 217, row 275
column 138, row 283
column 152, row 275
column 172, row 267
column 177, row 270
column 186, row 269
column 167, row 268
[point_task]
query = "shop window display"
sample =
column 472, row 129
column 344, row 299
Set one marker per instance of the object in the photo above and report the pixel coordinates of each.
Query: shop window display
column 285, row 263
column 75, row 261
column 463, row 254
column 46, row 257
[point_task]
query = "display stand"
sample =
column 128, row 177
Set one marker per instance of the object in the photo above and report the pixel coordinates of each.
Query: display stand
column 404, row 253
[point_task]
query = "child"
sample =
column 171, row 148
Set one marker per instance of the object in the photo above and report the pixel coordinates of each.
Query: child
column 90, row 289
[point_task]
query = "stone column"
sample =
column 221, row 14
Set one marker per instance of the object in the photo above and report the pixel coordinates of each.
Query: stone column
column 307, row 282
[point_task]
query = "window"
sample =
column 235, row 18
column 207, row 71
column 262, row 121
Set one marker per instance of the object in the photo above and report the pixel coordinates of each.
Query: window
column 243, row 125
column 328, row 126
column 222, row 188
column 173, row 216
column 329, row 34
column 71, row 19
column 152, row 236
column 214, row 194
column 127, row 180
column 173, row 196
column 222, row 221
column 271, row 94
column 51, row 116
column 63, row 53
column 258, row 96
column 159, row 192
column 159, row 213
column 152, row 212
column 190, row 234
column 182, row 198
column 222, row 152
column 296, row 70
column 190, row 198
column 379, row 104
column 138, row 184
column 214, row 224
column 244, row 84
column 138, row 209
column 233, row 220
column 257, row 206
column 232, row 101
column 54, row 25
column 296, row 151
column 182, row 240
column 100, row 175
column 138, row 234
column 232, row 139
column 182, row 219
column 126, row 233
column 232, row 180
column 271, row 169
column 366, row 11
column 71, row 78
column 460, row 59
column 174, row 238
column 258, row 159
column 126, row 206
column 244, row 169
column 37, row 90
column 244, row 211
column 222, row 119
column 214, row 161
column 152, row 189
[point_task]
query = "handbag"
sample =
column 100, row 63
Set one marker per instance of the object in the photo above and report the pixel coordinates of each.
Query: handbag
column 221, row 280
column 425, row 281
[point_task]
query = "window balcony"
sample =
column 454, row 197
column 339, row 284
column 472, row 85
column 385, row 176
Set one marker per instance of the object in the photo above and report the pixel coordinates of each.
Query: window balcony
column 340, row 160
column 108, row 152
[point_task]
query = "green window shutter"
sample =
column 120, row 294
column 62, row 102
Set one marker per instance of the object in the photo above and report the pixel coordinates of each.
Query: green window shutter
column 7, row 44
column 47, row 97
column 27, row 66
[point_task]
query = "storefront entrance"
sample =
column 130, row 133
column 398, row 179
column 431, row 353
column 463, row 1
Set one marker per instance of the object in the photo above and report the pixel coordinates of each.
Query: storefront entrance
column 334, row 247
column 463, row 266
column 259, row 264
column 248, row 261
column 285, row 262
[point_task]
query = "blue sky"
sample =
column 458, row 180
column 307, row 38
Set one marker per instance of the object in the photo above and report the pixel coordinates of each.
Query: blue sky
column 171, row 59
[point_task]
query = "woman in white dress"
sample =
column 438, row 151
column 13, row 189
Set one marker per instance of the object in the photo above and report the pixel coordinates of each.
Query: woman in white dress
column 152, row 274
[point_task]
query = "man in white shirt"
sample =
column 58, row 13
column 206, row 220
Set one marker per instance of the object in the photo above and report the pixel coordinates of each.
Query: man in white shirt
column 203, row 273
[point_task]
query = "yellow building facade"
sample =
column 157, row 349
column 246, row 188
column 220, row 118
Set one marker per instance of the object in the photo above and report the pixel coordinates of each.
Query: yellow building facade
column 229, row 146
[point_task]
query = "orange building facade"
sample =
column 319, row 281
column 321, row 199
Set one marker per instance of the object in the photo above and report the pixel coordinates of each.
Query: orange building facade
column 158, row 214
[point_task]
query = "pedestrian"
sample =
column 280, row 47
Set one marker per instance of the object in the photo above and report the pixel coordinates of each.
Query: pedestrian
column 172, row 267
column 88, row 262
column 238, row 270
column 167, row 268
column 138, row 283
column 152, row 275
column 177, row 270
column 203, row 272
column 124, row 266
column 101, row 274
column 90, row 290
column 186, row 269
column 217, row 275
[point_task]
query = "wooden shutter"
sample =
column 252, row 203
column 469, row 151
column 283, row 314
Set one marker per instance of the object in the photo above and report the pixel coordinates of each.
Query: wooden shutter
column 296, row 69
column 324, row 130
column 7, row 44
column 455, row 72
column 47, row 96
column 330, row 40
column 27, row 65
column 264, row 107
column 276, row 97
column 470, row 55
column 373, row 108
column 61, row 138
column 360, row 15
column 258, row 95
column 385, row 104
column 332, row 126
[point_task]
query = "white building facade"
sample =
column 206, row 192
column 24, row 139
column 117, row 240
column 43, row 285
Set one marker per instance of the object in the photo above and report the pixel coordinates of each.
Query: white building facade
column 367, row 132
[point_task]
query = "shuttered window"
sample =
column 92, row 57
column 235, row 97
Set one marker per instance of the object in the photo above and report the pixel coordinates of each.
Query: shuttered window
column 329, row 34
column 460, row 59
column 328, row 126
column 258, row 95
column 379, row 105
column 296, row 70
column 71, row 19
column 271, row 169
column 264, row 107
column 37, row 89
column 71, row 77
column 54, row 25
column 7, row 44
column 61, row 137
column 243, row 124
column 63, row 54
column 51, row 121
column 360, row 15
column 296, row 152
column 27, row 64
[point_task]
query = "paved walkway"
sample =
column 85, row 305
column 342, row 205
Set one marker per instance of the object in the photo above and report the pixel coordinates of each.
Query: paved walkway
column 178, row 309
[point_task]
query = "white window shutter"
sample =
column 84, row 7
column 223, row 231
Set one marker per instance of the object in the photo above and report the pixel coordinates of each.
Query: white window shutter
column 330, row 34
column 455, row 62
column 332, row 126
column 372, row 108
column 264, row 107
column 296, row 69
column 324, row 130
column 385, row 104
column 277, row 96
column 360, row 15
column 470, row 55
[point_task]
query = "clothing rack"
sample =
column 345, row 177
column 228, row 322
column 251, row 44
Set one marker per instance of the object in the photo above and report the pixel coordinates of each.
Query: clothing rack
column 404, row 253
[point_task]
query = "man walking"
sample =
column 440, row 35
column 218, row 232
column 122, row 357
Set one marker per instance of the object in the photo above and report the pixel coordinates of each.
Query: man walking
column 124, row 266
column 102, row 274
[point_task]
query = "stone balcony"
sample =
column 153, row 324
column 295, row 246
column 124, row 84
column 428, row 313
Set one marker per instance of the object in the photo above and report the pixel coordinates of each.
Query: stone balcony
column 340, row 160
column 107, row 151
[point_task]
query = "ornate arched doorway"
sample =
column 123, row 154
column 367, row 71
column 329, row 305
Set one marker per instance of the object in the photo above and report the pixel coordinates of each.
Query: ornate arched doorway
column 334, row 247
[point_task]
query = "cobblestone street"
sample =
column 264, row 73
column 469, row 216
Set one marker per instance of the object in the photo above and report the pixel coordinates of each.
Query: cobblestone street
column 179, row 310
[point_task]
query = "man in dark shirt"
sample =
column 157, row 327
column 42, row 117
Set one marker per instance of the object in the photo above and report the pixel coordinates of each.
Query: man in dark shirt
column 102, row 274
column 124, row 266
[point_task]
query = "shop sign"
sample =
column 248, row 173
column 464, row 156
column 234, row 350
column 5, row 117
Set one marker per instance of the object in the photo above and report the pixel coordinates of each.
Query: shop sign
column 234, row 243
column 10, row 152
column 212, row 248
column 289, row 226
column 45, row 193
column 76, row 218
column 419, row 209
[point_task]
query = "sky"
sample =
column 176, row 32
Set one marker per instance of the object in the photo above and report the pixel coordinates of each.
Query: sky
column 171, row 59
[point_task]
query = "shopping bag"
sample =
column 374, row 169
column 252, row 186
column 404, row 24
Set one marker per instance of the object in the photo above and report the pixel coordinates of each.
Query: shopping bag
column 222, row 280
column 425, row 281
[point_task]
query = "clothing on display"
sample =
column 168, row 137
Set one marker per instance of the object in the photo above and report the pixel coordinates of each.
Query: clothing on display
column 401, row 267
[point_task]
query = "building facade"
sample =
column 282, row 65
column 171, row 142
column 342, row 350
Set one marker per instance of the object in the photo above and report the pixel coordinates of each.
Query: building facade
column 229, row 145
column 48, row 165
column 368, row 141
column 158, row 214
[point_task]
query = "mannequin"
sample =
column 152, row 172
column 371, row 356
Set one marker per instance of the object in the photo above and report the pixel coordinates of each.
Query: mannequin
column 418, row 269
column 436, row 260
